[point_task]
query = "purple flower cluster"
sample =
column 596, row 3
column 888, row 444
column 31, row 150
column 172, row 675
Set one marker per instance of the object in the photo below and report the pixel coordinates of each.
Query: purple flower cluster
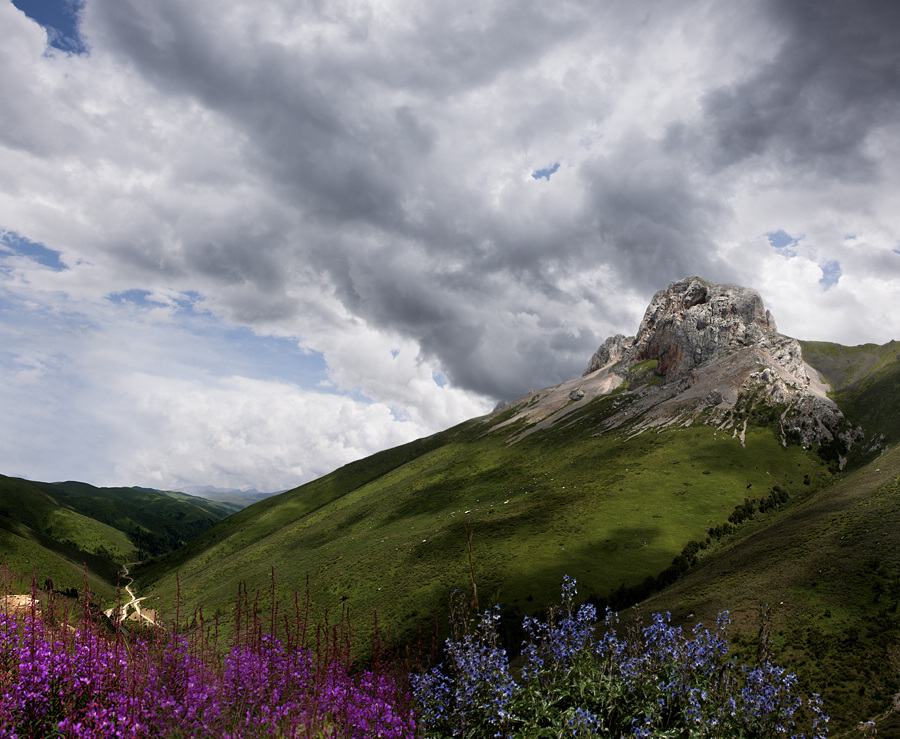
column 100, row 682
column 581, row 677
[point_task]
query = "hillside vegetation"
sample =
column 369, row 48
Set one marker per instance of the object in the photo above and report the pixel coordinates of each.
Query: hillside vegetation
column 865, row 382
column 56, row 530
column 829, row 571
column 728, row 515
column 388, row 534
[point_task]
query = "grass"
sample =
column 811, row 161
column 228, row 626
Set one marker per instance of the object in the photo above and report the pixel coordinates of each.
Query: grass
column 25, row 550
column 390, row 537
column 829, row 569
column 644, row 373
column 92, row 536
column 865, row 382
column 56, row 529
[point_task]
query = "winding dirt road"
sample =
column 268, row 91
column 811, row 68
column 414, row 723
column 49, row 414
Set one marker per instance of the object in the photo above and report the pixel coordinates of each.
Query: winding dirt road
column 135, row 603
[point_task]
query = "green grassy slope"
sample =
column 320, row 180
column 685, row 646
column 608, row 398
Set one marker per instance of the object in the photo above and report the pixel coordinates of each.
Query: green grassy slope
column 54, row 529
column 829, row 569
column 41, row 511
column 24, row 550
column 388, row 533
column 156, row 522
column 865, row 382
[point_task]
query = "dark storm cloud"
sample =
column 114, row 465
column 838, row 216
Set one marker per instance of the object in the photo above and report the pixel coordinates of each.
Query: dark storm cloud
column 652, row 218
column 348, row 161
column 835, row 78
column 315, row 113
column 317, row 127
column 350, row 127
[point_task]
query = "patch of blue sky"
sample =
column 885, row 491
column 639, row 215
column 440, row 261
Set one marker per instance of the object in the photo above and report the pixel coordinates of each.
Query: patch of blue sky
column 187, row 300
column 140, row 298
column 272, row 357
column 13, row 243
column 831, row 273
column 234, row 349
column 545, row 173
column 60, row 19
column 183, row 302
column 440, row 379
column 195, row 338
column 782, row 239
column 399, row 414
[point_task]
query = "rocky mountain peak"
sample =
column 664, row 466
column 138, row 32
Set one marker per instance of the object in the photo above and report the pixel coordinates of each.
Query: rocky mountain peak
column 693, row 320
column 689, row 323
column 703, row 353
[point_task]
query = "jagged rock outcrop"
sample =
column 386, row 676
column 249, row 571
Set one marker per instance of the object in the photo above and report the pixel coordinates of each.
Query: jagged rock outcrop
column 692, row 321
column 612, row 350
column 704, row 353
column 702, row 334
column 689, row 323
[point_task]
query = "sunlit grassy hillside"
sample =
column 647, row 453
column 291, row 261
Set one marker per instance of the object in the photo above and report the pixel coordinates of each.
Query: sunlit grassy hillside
column 388, row 533
column 56, row 530
column 829, row 570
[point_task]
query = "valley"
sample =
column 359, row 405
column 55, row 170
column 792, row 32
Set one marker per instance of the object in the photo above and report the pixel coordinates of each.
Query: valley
column 697, row 467
column 72, row 533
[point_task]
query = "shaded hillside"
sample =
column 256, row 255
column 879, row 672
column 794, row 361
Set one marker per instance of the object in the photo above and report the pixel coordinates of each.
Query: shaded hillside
column 606, row 478
column 55, row 529
column 389, row 533
column 25, row 550
column 865, row 382
column 155, row 522
column 829, row 570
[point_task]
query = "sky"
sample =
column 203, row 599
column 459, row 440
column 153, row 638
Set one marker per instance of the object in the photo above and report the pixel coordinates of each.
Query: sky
column 245, row 242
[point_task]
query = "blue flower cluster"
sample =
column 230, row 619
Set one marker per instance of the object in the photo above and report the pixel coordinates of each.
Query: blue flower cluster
column 586, row 678
column 475, row 696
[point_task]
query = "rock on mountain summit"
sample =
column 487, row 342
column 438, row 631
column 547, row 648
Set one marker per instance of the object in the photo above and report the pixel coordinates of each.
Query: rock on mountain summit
column 691, row 322
column 703, row 353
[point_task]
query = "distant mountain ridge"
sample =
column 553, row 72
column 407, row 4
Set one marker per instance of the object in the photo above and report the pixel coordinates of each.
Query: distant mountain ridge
column 58, row 528
column 235, row 497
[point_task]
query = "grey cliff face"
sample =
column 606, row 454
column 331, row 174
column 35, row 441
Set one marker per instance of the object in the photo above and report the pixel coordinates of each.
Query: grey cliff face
column 612, row 350
column 720, row 362
column 721, row 358
column 693, row 321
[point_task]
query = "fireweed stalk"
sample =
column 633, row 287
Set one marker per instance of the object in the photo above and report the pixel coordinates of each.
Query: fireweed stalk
column 581, row 680
column 97, row 680
column 578, row 679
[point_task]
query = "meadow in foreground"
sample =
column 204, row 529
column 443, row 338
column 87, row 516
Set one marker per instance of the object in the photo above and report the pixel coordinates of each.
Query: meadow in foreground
column 579, row 678
column 103, row 680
